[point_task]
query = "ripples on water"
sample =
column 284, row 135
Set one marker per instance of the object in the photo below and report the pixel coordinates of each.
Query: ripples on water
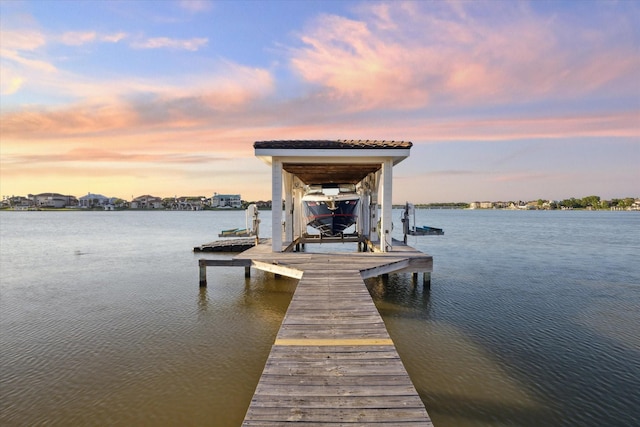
column 103, row 322
column 532, row 319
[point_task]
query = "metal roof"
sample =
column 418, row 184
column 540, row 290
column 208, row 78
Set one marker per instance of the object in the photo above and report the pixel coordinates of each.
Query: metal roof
column 331, row 144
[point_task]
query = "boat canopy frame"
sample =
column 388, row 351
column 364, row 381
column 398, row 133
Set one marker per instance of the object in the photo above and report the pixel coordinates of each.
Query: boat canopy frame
column 367, row 164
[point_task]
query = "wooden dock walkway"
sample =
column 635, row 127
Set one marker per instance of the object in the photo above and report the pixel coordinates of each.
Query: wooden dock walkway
column 333, row 362
column 230, row 245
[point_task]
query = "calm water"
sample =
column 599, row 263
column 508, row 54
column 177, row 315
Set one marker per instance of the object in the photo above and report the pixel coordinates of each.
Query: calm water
column 533, row 319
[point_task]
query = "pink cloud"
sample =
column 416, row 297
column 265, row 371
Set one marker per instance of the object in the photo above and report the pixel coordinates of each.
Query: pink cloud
column 17, row 48
column 196, row 5
column 193, row 44
column 346, row 57
column 77, row 120
column 122, row 107
column 411, row 55
column 114, row 37
column 78, row 38
column 26, row 40
column 87, row 154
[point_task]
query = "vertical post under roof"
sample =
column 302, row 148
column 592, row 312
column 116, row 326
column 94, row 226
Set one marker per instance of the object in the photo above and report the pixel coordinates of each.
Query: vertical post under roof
column 276, row 205
column 386, row 222
column 288, row 207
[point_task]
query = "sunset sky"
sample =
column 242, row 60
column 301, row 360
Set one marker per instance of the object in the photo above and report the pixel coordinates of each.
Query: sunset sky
column 502, row 100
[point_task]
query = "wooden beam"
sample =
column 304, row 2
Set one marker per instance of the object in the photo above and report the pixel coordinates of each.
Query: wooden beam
column 330, row 173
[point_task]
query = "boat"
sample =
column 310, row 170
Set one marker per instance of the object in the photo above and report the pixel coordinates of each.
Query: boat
column 235, row 232
column 252, row 223
column 331, row 214
column 415, row 230
column 426, row 231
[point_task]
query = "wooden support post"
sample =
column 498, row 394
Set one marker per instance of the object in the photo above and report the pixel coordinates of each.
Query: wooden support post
column 203, row 272
column 386, row 223
column 276, row 205
column 247, row 272
column 415, row 278
column 426, row 279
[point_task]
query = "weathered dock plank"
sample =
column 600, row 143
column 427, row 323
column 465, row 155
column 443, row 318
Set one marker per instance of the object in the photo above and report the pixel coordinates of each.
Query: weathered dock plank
column 333, row 362
column 325, row 424
column 230, row 245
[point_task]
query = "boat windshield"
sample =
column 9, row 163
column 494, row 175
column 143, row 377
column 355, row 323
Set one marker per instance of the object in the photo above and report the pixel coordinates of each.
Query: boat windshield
column 347, row 188
column 314, row 189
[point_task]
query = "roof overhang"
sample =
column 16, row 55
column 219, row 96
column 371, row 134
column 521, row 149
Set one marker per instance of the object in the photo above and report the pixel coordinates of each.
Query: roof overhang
column 331, row 173
column 336, row 162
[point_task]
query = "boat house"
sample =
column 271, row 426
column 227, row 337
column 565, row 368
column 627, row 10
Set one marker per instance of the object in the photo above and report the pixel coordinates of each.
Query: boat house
column 366, row 165
column 332, row 342
column 226, row 201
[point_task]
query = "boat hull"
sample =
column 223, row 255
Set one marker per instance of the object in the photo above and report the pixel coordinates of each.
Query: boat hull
column 331, row 215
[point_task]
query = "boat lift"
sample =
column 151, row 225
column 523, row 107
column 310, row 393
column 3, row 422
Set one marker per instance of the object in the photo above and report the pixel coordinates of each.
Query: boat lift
column 412, row 230
column 252, row 225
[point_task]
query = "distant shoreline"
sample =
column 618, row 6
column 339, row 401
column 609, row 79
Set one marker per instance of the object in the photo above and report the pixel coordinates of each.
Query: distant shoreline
column 74, row 209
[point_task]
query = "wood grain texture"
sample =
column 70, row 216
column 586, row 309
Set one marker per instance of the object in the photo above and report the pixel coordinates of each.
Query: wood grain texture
column 333, row 362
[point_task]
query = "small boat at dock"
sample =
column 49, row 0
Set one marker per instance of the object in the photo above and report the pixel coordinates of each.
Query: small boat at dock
column 236, row 232
column 416, row 230
column 331, row 214
column 426, row 231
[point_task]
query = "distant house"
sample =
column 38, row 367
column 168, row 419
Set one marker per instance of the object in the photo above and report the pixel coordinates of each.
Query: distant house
column 17, row 202
column 146, row 202
column 188, row 203
column 226, row 201
column 53, row 200
column 95, row 201
column 481, row 205
column 261, row 204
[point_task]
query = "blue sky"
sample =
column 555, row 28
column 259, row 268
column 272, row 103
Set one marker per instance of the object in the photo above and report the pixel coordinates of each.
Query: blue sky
column 503, row 100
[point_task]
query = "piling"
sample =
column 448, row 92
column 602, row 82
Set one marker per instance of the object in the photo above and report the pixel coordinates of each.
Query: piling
column 203, row 272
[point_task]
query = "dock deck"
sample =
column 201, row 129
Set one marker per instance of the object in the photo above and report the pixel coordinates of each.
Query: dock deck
column 333, row 362
column 230, row 245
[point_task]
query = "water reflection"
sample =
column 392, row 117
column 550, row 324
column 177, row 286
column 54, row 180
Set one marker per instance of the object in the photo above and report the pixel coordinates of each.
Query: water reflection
column 460, row 381
column 203, row 300
column 400, row 295
column 532, row 319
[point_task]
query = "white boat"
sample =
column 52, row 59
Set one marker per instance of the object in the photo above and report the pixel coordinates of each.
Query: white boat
column 331, row 214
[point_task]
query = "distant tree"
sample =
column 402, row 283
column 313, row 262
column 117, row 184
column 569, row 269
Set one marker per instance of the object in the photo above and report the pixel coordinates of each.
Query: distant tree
column 593, row 201
column 571, row 203
column 457, row 205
